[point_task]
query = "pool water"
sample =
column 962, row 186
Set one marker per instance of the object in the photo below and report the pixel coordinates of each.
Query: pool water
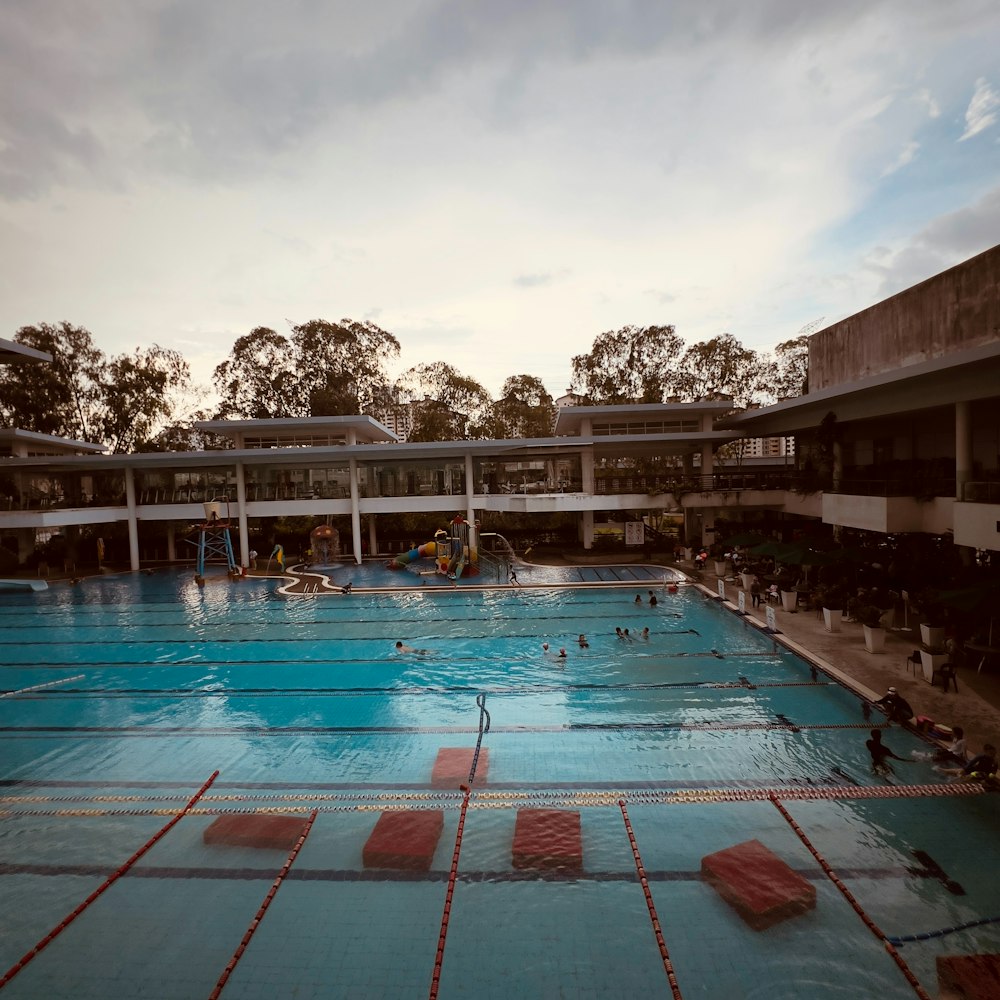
column 124, row 695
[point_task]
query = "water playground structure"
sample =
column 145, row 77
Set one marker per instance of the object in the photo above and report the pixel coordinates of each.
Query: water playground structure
column 455, row 552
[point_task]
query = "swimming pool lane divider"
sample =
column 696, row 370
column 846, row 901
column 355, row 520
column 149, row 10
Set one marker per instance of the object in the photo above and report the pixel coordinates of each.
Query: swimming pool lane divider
column 449, row 894
column 104, row 886
column 255, row 923
column 650, row 905
column 41, row 687
column 850, row 897
column 484, row 717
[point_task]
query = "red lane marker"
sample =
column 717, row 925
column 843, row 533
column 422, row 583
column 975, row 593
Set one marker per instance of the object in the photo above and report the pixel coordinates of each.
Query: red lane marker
column 849, row 896
column 446, row 915
column 110, row 880
column 242, row 947
column 664, row 954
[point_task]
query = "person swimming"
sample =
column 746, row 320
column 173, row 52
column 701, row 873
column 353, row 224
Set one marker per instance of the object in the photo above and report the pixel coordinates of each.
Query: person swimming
column 401, row 647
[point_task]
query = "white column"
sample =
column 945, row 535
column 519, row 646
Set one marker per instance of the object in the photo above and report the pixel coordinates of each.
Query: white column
column 587, row 529
column 470, row 491
column 707, row 461
column 171, row 542
column 963, row 448
column 372, row 536
column 133, row 520
column 241, row 507
column 355, row 512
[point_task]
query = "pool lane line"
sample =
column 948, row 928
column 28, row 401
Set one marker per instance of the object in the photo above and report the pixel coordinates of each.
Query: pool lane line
column 850, row 897
column 255, row 923
column 40, row 687
column 942, row 932
column 450, row 892
column 484, row 717
column 104, row 886
column 657, row 929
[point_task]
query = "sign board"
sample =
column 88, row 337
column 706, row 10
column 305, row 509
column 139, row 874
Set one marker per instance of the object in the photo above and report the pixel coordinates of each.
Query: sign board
column 742, row 601
column 722, row 589
column 772, row 621
column 635, row 532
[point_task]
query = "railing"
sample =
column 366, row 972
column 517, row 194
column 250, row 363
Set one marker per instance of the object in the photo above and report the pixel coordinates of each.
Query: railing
column 719, row 482
column 490, row 565
column 921, row 488
column 981, row 492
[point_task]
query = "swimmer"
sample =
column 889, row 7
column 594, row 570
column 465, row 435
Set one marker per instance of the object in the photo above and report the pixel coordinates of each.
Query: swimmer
column 638, row 599
column 545, row 647
column 401, row 647
column 562, row 653
column 645, row 634
column 880, row 753
column 619, row 632
column 652, row 600
column 583, row 641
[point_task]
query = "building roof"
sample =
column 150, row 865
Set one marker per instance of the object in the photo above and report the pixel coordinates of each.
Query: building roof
column 570, row 419
column 12, row 352
column 366, row 428
column 63, row 445
column 960, row 377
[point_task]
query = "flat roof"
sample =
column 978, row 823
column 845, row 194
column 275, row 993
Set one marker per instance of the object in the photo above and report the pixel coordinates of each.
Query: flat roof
column 367, row 426
column 65, row 444
column 962, row 376
column 12, row 352
column 570, row 418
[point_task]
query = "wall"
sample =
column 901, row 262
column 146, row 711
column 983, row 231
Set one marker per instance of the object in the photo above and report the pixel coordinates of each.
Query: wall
column 952, row 311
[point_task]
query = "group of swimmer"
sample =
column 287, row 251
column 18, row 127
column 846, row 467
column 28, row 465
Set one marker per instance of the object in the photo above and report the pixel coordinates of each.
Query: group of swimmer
column 951, row 760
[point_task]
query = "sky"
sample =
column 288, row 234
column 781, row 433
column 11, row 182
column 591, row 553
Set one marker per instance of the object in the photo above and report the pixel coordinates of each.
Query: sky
column 496, row 184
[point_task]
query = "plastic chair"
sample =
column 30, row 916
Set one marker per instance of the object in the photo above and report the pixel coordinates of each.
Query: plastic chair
column 946, row 675
column 913, row 661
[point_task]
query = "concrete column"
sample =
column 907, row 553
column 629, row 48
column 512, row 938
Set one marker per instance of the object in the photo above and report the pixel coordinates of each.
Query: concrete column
column 707, row 459
column 372, row 535
column 963, row 448
column 587, row 529
column 171, row 542
column 355, row 512
column 708, row 529
column 470, row 491
column 838, row 464
column 241, row 506
column 133, row 520
column 587, row 482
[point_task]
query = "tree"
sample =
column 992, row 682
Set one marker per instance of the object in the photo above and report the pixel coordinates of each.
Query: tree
column 792, row 367
column 322, row 369
column 722, row 366
column 84, row 396
column 142, row 385
column 257, row 380
column 58, row 398
column 524, row 410
column 445, row 403
column 632, row 365
column 341, row 367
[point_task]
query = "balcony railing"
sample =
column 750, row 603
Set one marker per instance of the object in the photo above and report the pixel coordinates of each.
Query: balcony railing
column 720, row 482
column 921, row 488
column 981, row 492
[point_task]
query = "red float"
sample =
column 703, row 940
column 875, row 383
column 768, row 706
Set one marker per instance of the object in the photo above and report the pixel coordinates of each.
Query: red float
column 404, row 840
column 758, row 884
column 278, row 833
column 453, row 764
column 547, row 838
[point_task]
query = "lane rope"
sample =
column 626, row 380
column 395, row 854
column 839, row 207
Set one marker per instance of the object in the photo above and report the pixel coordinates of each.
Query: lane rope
column 484, row 716
column 104, row 886
column 446, row 915
column 657, row 929
column 255, row 923
column 849, row 896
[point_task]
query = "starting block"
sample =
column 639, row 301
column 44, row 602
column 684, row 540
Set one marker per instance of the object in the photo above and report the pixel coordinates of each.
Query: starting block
column 274, row 832
column 968, row 977
column 404, row 840
column 758, row 884
column 453, row 764
column 547, row 838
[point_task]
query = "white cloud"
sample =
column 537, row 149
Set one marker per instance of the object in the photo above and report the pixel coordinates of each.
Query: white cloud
column 906, row 155
column 925, row 98
column 982, row 110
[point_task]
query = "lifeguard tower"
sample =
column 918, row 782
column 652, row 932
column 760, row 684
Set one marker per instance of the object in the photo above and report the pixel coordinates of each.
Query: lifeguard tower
column 214, row 540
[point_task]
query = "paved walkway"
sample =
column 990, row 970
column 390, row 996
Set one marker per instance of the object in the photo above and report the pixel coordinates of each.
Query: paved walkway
column 976, row 706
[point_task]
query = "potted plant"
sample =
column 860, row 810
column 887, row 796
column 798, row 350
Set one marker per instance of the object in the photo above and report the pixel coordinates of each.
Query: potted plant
column 928, row 606
column 720, row 560
column 870, row 616
column 832, row 599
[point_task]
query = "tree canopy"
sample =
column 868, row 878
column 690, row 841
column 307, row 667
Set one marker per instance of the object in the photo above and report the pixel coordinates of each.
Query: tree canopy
column 446, row 404
column 83, row 395
column 525, row 409
column 322, row 369
column 633, row 365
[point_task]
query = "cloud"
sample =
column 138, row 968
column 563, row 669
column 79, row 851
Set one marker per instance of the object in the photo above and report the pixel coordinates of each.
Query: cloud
column 924, row 97
column 906, row 155
column 943, row 243
column 982, row 110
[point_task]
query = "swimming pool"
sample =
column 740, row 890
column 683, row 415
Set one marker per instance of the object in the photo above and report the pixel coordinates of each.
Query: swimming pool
column 131, row 692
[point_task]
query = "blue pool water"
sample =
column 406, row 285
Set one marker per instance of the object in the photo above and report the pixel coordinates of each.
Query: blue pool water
column 123, row 695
